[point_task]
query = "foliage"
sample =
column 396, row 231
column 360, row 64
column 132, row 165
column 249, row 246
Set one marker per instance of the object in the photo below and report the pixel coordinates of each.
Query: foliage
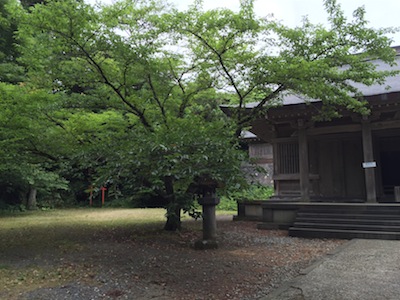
column 227, row 204
column 230, row 197
column 10, row 70
column 24, row 160
column 260, row 60
column 186, row 150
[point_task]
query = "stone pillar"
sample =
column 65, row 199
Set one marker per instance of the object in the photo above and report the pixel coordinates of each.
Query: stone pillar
column 303, row 163
column 208, row 202
column 369, row 169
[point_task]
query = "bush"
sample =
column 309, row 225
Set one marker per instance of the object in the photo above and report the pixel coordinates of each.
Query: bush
column 253, row 192
column 227, row 204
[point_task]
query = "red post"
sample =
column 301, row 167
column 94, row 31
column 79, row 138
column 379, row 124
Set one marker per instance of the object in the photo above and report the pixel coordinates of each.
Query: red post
column 103, row 190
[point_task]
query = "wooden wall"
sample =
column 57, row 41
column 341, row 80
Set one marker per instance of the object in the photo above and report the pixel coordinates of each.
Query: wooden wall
column 335, row 165
column 340, row 171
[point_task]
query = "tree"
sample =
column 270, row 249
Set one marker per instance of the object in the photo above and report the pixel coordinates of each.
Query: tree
column 26, row 158
column 118, row 62
column 10, row 70
column 162, row 165
column 260, row 60
column 23, row 173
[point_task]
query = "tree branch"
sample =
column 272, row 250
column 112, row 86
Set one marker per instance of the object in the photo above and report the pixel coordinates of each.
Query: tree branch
column 155, row 96
column 254, row 111
column 222, row 64
column 59, row 124
column 38, row 152
column 105, row 79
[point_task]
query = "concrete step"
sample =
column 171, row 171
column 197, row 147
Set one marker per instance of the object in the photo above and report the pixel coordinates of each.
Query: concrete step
column 349, row 216
column 355, row 210
column 347, row 220
column 364, row 227
column 379, row 223
column 342, row 234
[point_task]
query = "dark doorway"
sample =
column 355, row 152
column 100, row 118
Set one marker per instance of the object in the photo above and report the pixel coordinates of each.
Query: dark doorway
column 390, row 161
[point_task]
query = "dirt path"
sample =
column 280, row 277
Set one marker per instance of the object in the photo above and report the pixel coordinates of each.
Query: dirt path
column 152, row 264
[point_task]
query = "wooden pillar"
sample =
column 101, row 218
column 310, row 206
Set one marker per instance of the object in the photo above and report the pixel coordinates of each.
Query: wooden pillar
column 368, row 158
column 303, row 163
column 276, row 167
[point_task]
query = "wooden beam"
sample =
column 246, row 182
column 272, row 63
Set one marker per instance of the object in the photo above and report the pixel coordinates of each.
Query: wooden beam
column 370, row 183
column 334, row 129
column 353, row 127
column 385, row 125
column 296, row 176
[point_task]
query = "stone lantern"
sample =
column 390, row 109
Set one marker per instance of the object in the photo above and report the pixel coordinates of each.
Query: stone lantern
column 206, row 189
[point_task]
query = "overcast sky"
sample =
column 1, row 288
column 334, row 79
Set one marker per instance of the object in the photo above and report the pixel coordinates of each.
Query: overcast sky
column 382, row 13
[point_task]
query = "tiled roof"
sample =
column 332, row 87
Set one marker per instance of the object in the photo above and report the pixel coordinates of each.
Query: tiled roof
column 391, row 85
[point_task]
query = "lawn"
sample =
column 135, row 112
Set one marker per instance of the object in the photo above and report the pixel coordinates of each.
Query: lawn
column 29, row 240
column 45, row 228
column 125, row 254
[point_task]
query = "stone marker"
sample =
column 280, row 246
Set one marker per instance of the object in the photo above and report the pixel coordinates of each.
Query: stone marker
column 208, row 200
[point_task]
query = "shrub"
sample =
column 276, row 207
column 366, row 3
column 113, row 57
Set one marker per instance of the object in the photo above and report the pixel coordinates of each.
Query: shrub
column 253, row 192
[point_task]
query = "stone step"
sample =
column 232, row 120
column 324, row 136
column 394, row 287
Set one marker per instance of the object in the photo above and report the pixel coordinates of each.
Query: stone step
column 342, row 234
column 346, row 226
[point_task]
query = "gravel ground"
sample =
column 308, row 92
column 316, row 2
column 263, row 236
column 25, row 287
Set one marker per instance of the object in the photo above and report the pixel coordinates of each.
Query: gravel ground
column 249, row 264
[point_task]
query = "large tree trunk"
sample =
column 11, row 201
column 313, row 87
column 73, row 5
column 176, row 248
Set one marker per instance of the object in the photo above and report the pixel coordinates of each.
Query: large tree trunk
column 173, row 210
column 173, row 220
column 32, row 203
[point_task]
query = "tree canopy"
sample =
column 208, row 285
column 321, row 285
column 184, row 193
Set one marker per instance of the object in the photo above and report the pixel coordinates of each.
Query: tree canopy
column 260, row 60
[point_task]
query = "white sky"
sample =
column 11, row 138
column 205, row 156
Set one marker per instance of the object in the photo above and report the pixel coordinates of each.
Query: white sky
column 382, row 13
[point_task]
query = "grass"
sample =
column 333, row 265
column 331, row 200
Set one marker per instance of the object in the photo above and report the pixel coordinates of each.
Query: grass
column 43, row 234
column 84, row 217
column 58, row 227
column 30, row 240
column 70, row 229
